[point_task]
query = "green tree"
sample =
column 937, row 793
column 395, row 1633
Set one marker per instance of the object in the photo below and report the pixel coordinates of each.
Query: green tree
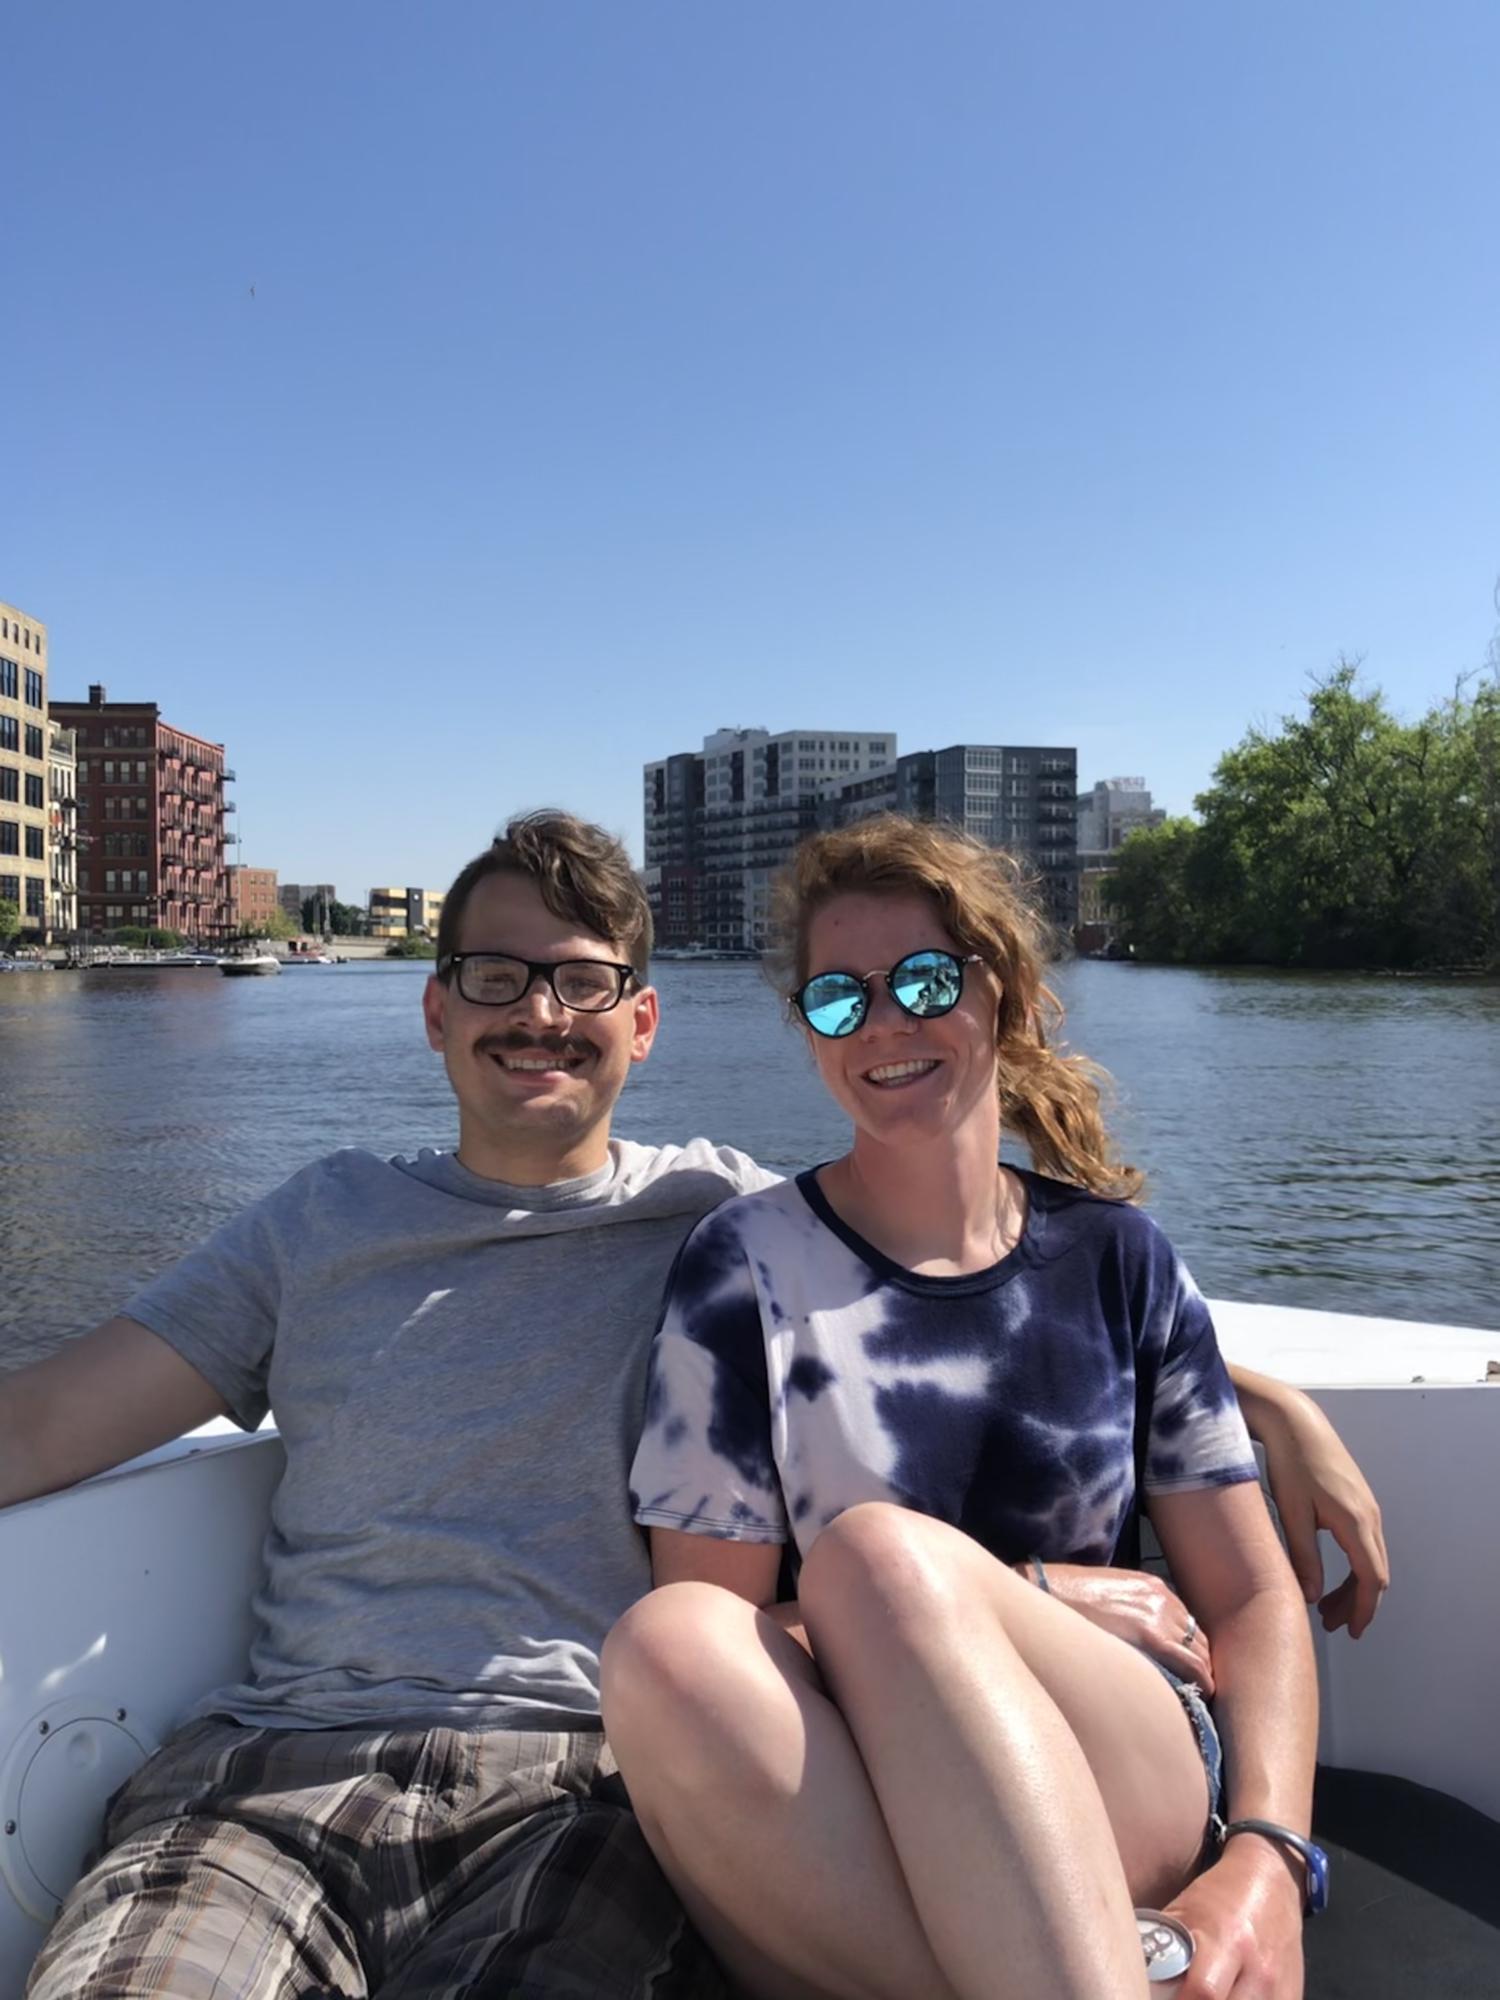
column 1346, row 838
column 411, row 947
column 1149, row 888
column 10, row 919
column 161, row 940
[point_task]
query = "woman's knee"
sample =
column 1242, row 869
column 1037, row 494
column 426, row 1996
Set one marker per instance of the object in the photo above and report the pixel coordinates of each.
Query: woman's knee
column 889, row 1561
column 659, row 1650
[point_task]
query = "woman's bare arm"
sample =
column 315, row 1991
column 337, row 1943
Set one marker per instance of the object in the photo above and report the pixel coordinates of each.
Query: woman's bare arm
column 748, row 1569
column 1231, row 1570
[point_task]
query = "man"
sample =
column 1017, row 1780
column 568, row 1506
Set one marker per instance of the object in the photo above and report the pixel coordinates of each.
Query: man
column 410, row 1794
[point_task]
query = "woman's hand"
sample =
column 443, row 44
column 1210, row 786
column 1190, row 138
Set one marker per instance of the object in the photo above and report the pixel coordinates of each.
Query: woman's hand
column 1140, row 1609
column 1316, row 1484
column 1245, row 1914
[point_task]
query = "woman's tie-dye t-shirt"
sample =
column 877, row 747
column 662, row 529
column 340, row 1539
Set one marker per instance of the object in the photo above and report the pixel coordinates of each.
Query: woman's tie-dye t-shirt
column 798, row 1371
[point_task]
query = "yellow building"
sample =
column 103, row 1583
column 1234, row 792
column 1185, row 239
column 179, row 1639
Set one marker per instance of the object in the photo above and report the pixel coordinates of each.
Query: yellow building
column 399, row 913
column 25, row 820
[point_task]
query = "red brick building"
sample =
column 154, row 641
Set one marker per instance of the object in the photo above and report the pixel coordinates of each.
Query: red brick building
column 151, row 821
column 253, row 898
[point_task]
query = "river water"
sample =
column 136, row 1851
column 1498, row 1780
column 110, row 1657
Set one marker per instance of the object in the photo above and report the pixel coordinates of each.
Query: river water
column 1312, row 1139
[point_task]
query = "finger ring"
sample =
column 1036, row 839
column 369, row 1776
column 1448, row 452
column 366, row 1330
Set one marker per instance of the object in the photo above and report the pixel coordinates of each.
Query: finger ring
column 1192, row 1627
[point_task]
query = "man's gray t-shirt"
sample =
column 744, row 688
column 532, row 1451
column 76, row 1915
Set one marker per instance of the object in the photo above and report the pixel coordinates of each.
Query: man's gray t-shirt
column 457, row 1368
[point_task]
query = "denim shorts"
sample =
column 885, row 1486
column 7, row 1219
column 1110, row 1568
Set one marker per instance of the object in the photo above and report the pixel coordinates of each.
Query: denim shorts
column 1210, row 1748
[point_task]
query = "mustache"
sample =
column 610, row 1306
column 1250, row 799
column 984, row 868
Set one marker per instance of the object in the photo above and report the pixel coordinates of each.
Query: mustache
column 519, row 1043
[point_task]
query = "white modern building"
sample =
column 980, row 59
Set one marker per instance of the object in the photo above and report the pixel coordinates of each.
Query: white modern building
column 720, row 821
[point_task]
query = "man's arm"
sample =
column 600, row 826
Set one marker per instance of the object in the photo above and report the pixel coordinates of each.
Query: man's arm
column 1316, row 1484
column 103, row 1398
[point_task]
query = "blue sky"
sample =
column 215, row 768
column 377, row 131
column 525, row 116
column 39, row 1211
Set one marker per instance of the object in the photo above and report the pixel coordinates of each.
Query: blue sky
column 1087, row 374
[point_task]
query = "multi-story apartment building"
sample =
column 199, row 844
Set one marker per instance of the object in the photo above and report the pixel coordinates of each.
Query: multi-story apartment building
column 720, row 821
column 1020, row 797
column 25, row 815
column 253, row 899
column 1017, row 796
column 398, row 913
column 674, row 846
column 151, row 820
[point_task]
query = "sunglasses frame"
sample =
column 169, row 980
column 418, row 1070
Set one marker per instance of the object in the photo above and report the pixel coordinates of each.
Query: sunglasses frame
column 960, row 959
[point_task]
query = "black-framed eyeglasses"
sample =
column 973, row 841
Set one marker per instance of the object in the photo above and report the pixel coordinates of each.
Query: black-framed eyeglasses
column 924, row 984
column 495, row 979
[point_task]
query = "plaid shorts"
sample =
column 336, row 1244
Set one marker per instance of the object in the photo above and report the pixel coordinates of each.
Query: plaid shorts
column 334, row 1864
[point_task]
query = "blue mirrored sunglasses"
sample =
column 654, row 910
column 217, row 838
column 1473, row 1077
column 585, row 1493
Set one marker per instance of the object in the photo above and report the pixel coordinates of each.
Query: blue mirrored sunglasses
column 924, row 984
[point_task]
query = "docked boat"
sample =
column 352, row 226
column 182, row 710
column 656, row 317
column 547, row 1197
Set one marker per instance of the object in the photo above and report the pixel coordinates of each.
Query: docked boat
column 250, row 966
column 129, row 1597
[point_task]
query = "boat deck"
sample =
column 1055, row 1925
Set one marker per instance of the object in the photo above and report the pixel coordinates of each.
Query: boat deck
column 1414, row 1905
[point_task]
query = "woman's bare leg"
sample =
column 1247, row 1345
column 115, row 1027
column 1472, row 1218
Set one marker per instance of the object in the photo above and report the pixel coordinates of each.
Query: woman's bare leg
column 752, row 1794
column 1034, row 1774
column 758, row 1794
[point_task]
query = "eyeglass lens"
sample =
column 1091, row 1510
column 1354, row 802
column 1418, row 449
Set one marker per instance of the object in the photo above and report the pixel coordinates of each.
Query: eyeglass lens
column 924, row 983
column 586, row 985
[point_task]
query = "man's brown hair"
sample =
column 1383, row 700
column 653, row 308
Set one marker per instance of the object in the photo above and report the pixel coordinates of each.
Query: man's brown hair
column 582, row 874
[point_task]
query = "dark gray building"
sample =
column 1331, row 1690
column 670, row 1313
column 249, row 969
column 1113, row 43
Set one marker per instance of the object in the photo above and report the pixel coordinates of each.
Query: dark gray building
column 1020, row 797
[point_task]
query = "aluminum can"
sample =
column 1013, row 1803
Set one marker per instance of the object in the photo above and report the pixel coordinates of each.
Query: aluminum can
column 1168, row 1946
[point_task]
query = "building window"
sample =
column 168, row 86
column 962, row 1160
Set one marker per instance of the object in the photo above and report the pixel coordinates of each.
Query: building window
column 34, row 793
column 34, row 838
column 10, row 888
column 36, row 896
column 34, row 746
column 10, row 783
column 10, row 837
column 9, row 679
column 10, row 733
column 33, row 688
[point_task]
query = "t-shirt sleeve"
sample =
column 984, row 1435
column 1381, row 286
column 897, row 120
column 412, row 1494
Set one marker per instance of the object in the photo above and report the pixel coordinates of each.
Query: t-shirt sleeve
column 705, row 1461
column 218, row 1306
column 1197, row 1435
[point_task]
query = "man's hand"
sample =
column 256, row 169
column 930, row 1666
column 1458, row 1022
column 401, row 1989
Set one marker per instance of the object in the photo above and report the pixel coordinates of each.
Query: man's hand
column 1245, row 1914
column 1140, row 1609
column 1316, row 1484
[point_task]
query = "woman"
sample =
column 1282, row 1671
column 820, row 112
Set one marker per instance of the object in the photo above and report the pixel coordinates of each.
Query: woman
column 944, row 1383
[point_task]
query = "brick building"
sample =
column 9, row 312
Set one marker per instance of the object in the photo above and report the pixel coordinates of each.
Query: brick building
column 151, row 820
column 253, row 899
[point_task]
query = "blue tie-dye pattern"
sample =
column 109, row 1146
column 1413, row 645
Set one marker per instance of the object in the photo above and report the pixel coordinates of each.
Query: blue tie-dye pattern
column 792, row 1357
